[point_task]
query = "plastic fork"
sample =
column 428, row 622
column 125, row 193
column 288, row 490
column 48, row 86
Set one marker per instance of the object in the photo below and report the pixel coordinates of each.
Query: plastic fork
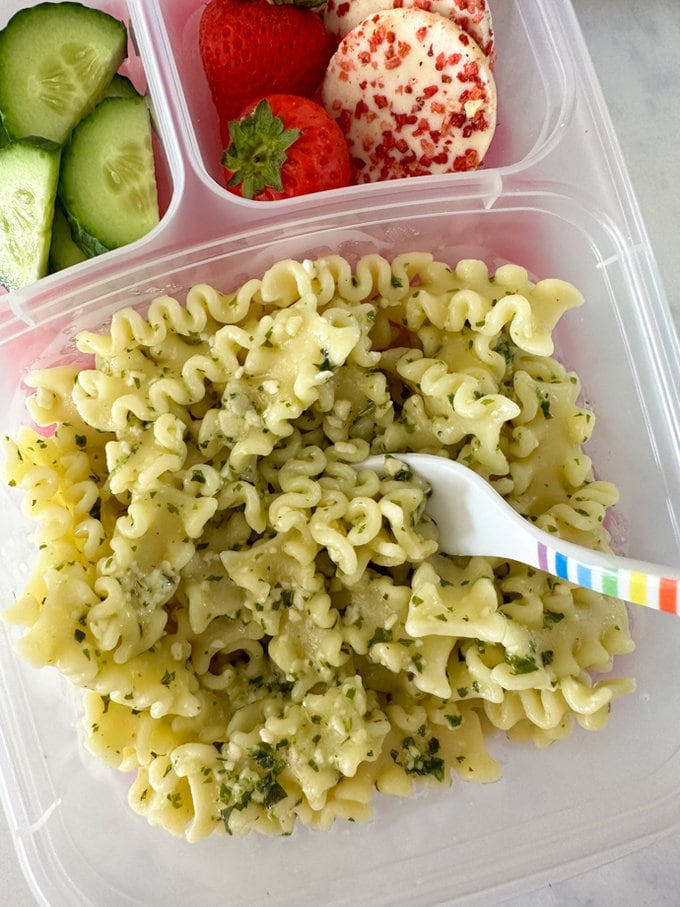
column 473, row 519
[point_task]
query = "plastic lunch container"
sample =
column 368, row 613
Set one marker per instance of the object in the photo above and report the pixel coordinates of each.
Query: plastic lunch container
column 554, row 196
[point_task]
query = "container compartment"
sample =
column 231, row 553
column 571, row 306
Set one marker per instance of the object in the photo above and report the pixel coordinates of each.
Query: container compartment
column 560, row 806
column 535, row 93
column 166, row 155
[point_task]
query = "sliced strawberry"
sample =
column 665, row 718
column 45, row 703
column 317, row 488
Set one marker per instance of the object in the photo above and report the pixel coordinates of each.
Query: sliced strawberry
column 412, row 94
column 284, row 146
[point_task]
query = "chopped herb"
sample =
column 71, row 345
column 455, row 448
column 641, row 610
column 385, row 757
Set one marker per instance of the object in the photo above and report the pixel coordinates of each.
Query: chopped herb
column 326, row 365
column 521, row 664
column 544, row 404
column 287, row 596
column 263, row 754
column 415, row 761
column 506, row 351
column 271, row 790
column 550, row 618
column 380, row 635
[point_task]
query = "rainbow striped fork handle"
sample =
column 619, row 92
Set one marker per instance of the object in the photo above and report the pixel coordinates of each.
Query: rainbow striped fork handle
column 641, row 587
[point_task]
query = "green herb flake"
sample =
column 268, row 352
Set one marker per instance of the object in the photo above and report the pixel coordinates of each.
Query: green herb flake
column 263, row 754
column 380, row 635
column 271, row 790
column 544, row 404
column 325, row 365
column 550, row 618
column 521, row 664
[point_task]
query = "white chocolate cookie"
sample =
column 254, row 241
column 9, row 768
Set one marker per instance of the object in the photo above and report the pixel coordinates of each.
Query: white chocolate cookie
column 412, row 94
column 473, row 16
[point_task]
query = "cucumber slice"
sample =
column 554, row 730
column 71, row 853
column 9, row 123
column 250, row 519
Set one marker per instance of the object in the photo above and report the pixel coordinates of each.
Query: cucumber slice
column 107, row 184
column 28, row 185
column 63, row 250
column 55, row 61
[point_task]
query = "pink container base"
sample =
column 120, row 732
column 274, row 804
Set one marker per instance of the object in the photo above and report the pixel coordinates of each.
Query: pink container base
column 553, row 195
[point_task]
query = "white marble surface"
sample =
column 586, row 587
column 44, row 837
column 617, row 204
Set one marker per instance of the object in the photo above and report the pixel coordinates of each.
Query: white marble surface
column 635, row 50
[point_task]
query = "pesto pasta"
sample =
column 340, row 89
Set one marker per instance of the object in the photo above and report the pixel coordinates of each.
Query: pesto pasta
column 266, row 632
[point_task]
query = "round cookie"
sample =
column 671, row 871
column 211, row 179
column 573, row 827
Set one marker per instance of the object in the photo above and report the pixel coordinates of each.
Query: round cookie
column 473, row 16
column 412, row 94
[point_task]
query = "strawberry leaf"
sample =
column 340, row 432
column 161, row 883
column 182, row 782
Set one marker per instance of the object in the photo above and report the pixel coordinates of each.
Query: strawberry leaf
column 257, row 150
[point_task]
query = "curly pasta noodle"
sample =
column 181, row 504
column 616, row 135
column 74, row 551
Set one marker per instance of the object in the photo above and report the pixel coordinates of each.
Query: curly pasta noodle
column 267, row 632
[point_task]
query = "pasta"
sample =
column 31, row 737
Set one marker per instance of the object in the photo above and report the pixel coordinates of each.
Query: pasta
column 265, row 631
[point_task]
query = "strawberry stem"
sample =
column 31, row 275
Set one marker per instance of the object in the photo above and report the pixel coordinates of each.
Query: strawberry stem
column 257, row 151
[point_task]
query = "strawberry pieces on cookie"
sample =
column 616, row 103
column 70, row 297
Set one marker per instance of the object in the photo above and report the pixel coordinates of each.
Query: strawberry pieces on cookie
column 473, row 16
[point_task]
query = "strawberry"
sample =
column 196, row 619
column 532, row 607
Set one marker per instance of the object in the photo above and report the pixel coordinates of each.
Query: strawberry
column 250, row 48
column 282, row 146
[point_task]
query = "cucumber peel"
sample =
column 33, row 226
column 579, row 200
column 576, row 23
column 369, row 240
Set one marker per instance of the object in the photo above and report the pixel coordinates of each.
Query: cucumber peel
column 56, row 59
column 64, row 251
column 28, row 184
